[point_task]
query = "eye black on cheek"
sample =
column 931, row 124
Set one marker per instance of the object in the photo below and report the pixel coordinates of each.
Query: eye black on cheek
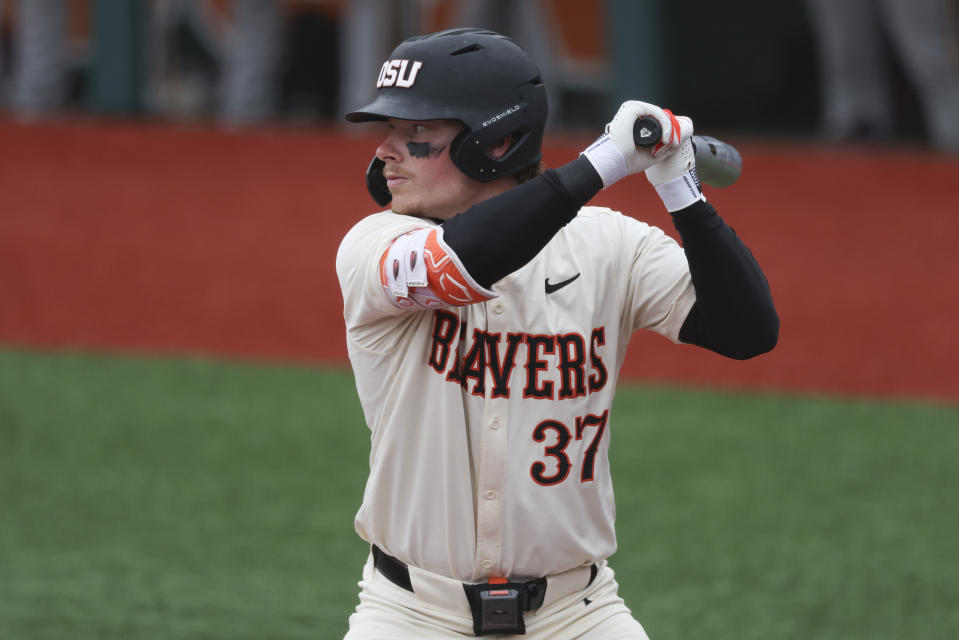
column 425, row 149
column 419, row 149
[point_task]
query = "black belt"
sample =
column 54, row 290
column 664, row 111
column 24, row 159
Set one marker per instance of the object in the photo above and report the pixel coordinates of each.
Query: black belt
column 394, row 570
column 487, row 600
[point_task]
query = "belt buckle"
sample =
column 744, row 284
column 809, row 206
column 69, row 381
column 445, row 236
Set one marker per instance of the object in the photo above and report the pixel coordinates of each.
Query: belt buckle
column 498, row 605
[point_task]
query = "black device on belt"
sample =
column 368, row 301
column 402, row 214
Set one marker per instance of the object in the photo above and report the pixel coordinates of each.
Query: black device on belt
column 497, row 606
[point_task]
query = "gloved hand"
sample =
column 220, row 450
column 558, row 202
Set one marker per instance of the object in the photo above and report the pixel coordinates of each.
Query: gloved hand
column 615, row 154
column 675, row 177
column 677, row 163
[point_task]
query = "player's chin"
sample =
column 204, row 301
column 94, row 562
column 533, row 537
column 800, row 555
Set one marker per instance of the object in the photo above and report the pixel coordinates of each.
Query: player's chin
column 406, row 205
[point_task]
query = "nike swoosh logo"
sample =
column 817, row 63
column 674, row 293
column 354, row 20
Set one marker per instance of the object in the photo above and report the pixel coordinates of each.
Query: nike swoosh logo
column 550, row 288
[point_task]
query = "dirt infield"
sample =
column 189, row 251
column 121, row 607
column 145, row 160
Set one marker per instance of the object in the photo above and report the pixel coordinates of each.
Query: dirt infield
column 187, row 239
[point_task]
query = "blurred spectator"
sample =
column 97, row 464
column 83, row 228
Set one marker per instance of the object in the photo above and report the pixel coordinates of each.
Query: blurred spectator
column 857, row 96
column 249, row 86
column 4, row 56
column 39, row 57
column 205, row 58
column 308, row 69
column 221, row 58
column 184, row 54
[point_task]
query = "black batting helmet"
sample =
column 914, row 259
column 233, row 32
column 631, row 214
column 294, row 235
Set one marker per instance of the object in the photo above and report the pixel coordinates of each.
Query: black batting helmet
column 479, row 77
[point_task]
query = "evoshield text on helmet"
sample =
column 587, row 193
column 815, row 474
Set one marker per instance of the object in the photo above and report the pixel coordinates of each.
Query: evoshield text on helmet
column 480, row 78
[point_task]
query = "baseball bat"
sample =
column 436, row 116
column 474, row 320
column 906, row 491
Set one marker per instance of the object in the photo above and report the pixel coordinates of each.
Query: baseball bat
column 717, row 163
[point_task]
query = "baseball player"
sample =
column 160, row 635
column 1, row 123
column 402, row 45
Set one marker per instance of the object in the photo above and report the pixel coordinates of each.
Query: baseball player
column 488, row 311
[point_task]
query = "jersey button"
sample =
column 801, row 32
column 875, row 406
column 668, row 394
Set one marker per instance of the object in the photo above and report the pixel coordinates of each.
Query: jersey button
column 498, row 308
column 487, row 564
column 491, row 495
column 495, row 424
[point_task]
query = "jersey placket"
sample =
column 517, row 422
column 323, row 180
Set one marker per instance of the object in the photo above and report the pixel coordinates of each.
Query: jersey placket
column 492, row 471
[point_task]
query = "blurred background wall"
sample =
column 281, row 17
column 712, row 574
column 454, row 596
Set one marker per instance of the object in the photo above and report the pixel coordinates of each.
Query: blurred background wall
column 879, row 70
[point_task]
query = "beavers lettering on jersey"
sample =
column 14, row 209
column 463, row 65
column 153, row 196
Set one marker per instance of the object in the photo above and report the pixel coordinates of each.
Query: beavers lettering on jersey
column 570, row 377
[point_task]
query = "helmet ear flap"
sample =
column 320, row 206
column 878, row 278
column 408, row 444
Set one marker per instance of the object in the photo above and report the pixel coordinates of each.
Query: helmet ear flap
column 457, row 151
column 469, row 151
column 376, row 183
column 523, row 121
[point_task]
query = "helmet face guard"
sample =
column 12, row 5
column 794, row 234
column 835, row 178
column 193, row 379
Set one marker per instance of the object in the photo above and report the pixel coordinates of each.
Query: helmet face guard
column 480, row 78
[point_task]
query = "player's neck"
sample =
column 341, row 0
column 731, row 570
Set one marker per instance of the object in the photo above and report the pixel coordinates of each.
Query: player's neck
column 484, row 192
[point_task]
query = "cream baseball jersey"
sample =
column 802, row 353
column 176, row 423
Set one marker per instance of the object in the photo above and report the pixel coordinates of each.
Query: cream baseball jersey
column 490, row 409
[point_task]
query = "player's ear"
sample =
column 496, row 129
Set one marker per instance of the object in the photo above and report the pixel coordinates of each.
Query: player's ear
column 499, row 149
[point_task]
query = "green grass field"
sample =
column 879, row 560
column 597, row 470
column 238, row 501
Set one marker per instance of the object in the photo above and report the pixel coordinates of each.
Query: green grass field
column 172, row 499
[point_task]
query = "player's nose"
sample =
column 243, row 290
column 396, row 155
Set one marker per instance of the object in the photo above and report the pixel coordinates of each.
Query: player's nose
column 389, row 150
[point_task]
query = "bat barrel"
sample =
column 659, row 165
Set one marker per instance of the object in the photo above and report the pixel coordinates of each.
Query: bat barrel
column 717, row 163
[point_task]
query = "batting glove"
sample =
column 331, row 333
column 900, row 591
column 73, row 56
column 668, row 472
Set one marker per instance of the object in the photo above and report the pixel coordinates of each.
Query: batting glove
column 615, row 155
column 675, row 177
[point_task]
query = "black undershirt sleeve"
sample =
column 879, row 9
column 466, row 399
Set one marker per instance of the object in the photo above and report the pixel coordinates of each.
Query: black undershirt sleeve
column 498, row 236
column 734, row 314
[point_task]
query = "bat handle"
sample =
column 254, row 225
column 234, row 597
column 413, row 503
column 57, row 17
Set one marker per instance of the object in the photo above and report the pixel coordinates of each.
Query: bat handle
column 646, row 131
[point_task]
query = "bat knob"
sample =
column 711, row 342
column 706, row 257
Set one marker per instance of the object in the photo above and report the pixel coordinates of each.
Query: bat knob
column 647, row 132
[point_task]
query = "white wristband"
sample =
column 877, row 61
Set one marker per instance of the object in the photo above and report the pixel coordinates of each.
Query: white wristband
column 680, row 192
column 607, row 160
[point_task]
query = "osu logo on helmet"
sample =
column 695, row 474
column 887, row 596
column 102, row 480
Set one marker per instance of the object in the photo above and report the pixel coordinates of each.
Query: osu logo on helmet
column 398, row 73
